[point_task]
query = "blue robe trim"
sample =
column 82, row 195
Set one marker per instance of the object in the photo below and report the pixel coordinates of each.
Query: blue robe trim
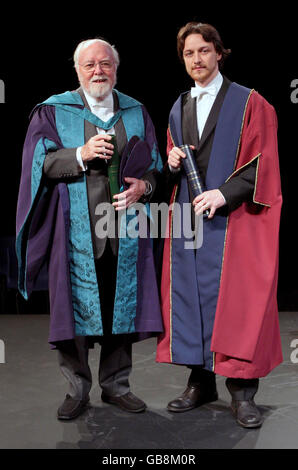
column 195, row 288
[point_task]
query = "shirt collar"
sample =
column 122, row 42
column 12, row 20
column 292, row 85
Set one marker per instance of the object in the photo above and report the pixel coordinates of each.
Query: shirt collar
column 217, row 82
column 107, row 102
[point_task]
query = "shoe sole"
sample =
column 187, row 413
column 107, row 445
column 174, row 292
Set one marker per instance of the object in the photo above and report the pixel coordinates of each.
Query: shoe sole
column 182, row 410
column 249, row 426
column 111, row 402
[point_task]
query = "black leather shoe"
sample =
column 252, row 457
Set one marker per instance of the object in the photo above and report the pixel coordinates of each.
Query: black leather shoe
column 192, row 397
column 71, row 408
column 246, row 413
column 128, row 402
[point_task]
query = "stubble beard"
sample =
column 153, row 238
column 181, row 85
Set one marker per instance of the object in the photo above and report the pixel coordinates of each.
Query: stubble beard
column 206, row 75
column 202, row 76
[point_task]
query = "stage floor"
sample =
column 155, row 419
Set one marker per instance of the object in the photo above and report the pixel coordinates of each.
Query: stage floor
column 32, row 388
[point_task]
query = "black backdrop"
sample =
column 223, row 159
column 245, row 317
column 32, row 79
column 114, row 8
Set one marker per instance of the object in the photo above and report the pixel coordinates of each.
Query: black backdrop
column 36, row 61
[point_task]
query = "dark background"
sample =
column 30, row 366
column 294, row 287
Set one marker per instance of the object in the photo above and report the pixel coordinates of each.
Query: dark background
column 36, row 62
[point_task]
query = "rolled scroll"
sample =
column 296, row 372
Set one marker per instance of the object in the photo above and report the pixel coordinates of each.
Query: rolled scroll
column 113, row 169
column 192, row 173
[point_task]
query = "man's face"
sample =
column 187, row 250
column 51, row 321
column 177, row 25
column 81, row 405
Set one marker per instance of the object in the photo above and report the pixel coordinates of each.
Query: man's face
column 201, row 59
column 96, row 70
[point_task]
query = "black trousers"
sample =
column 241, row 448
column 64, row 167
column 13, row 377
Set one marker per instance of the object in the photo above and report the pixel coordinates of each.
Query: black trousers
column 115, row 360
column 240, row 389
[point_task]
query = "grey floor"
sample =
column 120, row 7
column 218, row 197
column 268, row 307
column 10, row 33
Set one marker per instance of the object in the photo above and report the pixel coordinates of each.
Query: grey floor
column 32, row 388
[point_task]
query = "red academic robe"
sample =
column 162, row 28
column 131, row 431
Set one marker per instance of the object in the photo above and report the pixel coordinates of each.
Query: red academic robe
column 246, row 338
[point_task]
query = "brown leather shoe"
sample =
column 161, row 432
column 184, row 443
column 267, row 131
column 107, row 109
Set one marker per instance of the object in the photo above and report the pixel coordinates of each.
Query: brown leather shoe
column 128, row 402
column 71, row 408
column 246, row 413
column 192, row 397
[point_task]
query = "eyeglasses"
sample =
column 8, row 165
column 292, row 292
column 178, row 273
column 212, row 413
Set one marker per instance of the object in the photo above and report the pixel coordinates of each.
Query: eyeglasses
column 91, row 66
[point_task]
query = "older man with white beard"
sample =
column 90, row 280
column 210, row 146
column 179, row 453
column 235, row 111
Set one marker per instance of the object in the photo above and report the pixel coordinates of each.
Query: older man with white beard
column 102, row 287
column 96, row 64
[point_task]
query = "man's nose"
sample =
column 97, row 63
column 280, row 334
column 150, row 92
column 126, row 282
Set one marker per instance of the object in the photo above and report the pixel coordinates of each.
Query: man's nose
column 197, row 57
column 98, row 67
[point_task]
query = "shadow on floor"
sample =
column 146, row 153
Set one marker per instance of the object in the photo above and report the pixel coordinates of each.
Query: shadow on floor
column 210, row 426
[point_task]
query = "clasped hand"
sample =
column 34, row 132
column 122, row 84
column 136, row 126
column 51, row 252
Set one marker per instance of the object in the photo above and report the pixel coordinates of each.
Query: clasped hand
column 131, row 195
column 211, row 200
column 98, row 146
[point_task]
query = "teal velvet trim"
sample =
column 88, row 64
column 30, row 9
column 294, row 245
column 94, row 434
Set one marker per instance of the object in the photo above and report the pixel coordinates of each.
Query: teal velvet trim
column 85, row 295
column 133, row 122
column 74, row 98
column 69, row 100
column 156, row 160
column 126, row 297
column 126, row 101
column 89, row 116
column 69, row 97
column 126, row 286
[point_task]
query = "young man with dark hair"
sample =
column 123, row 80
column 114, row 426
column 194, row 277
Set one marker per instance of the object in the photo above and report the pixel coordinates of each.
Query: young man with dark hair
column 219, row 301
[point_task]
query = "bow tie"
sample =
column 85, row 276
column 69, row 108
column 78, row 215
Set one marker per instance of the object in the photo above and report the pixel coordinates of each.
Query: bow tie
column 198, row 91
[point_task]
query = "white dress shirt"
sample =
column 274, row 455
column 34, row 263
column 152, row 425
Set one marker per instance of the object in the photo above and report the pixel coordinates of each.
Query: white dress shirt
column 206, row 99
column 104, row 110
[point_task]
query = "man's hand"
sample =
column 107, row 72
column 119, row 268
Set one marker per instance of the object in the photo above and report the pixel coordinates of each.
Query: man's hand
column 97, row 146
column 211, row 200
column 131, row 195
column 175, row 157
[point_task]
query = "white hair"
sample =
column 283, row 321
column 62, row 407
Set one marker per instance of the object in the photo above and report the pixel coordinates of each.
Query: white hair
column 82, row 45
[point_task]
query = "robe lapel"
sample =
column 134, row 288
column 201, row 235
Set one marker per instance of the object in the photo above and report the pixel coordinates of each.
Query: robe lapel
column 213, row 115
column 90, row 129
column 189, row 121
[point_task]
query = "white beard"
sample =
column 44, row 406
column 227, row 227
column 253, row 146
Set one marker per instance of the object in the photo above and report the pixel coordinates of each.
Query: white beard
column 100, row 90
column 97, row 90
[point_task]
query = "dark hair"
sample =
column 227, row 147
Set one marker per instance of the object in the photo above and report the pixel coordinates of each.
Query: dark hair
column 209, row 33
